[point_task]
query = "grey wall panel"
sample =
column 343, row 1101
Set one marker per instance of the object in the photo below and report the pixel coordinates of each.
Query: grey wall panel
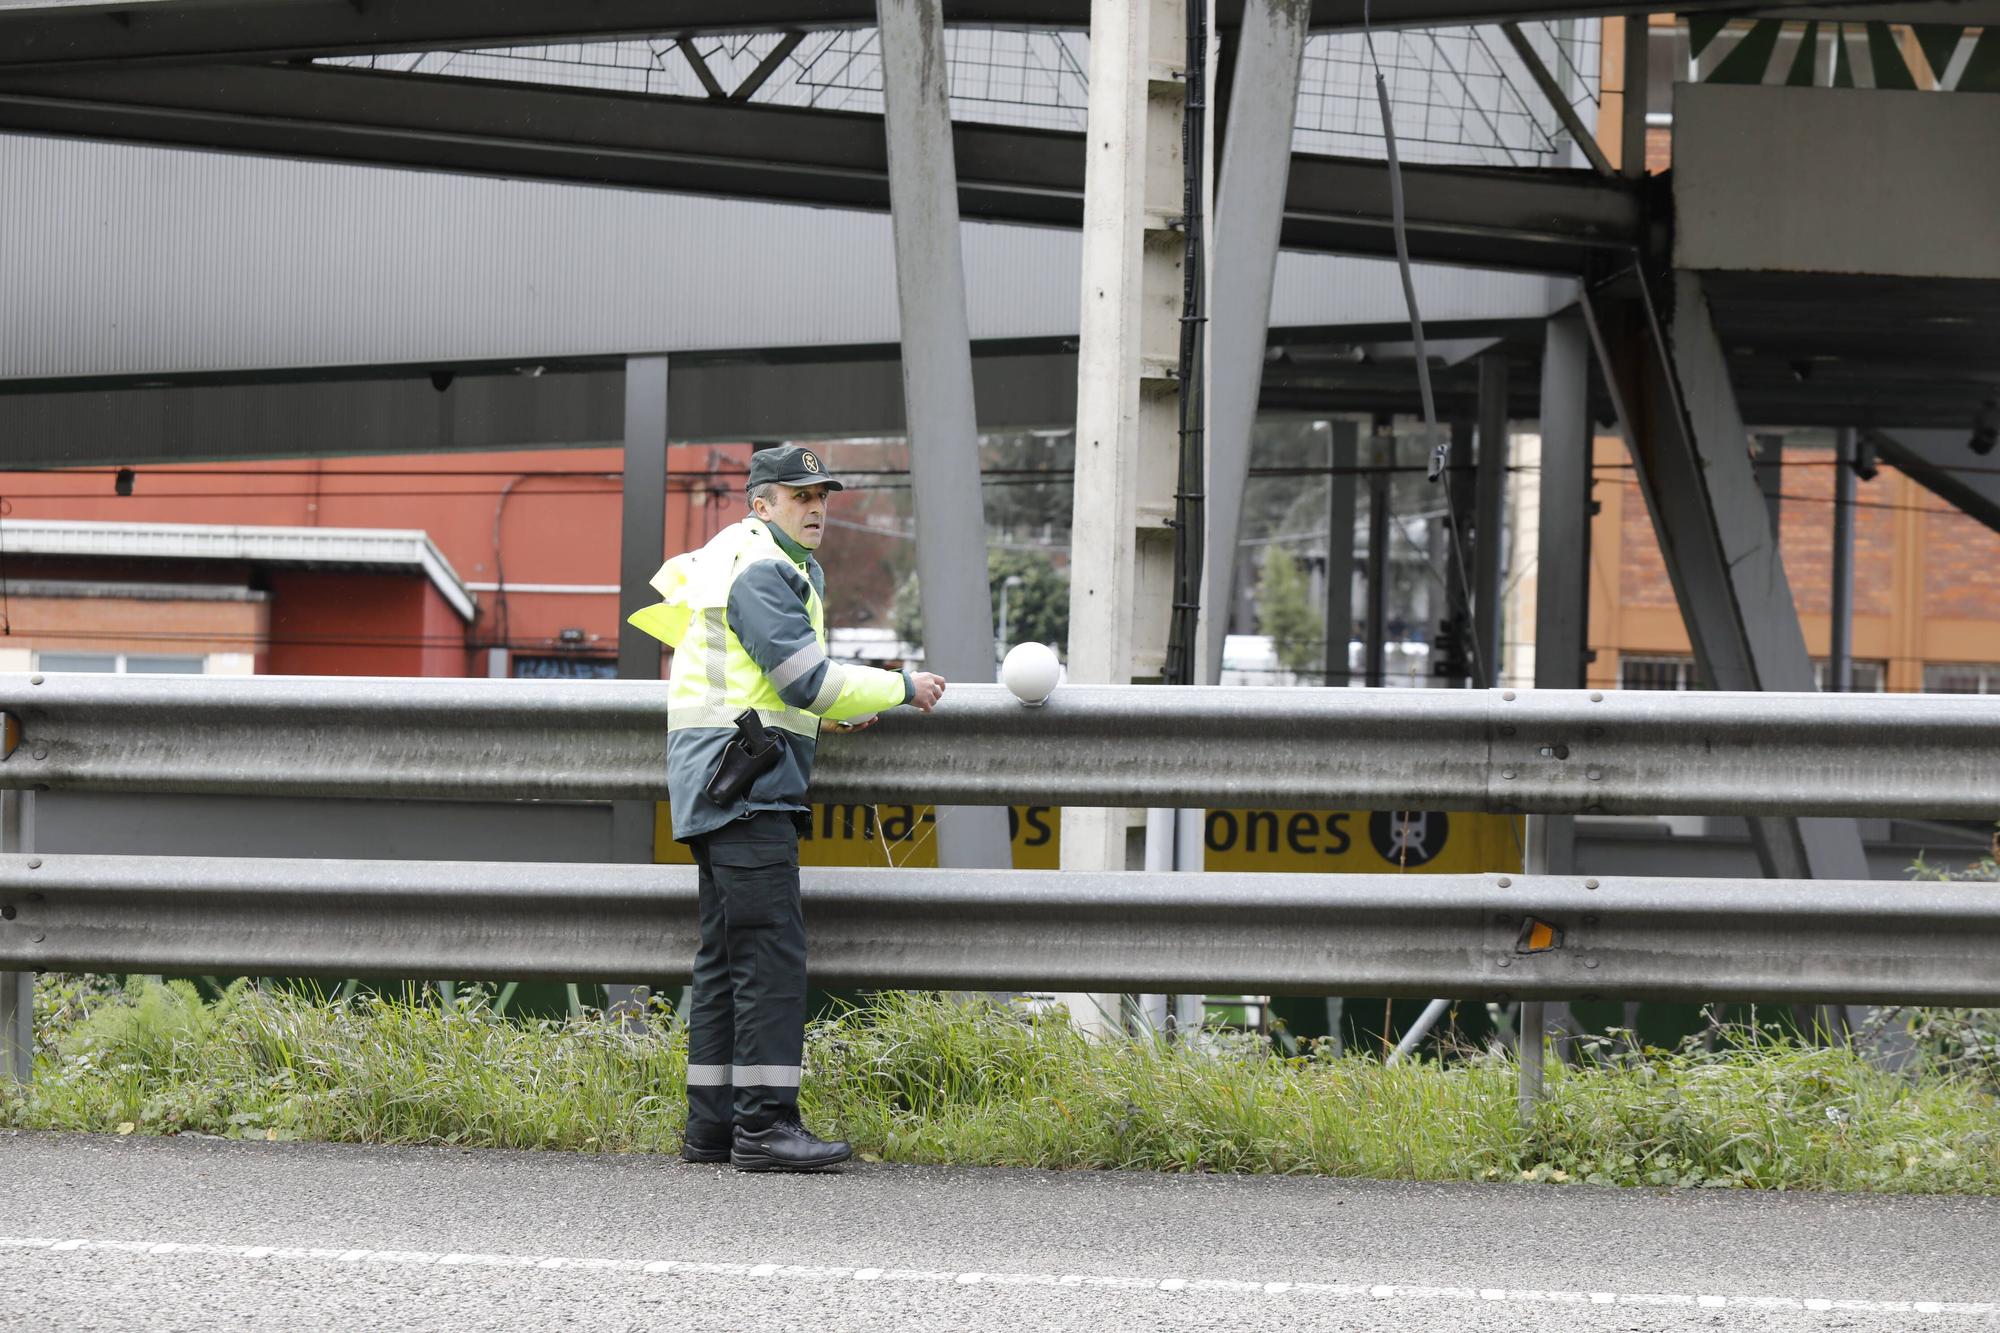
column 1836, row 180
column 127, row 261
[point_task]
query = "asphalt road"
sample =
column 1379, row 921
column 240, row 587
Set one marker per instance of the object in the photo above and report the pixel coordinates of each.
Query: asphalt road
column 200, row 1234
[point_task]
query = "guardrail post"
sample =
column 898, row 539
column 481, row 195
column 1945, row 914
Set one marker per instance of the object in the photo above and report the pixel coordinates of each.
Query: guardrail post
column 17, row 989
column 1533, row 1022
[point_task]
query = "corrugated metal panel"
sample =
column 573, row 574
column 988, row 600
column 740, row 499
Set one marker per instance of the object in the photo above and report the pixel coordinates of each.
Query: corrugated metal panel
column 119, row 260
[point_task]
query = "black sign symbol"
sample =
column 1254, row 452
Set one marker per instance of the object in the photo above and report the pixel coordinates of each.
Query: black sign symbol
column 1408, row 837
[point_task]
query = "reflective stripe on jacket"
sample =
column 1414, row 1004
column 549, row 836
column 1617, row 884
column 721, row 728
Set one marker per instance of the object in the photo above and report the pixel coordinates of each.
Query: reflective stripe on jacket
column 747, row 624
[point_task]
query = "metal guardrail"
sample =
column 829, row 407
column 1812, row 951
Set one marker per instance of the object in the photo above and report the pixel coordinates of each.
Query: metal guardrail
column 1527, row 751
column 1482, row 937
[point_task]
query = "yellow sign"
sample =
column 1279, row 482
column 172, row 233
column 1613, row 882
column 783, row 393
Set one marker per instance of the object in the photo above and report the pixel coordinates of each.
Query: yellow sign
column 1295, row 841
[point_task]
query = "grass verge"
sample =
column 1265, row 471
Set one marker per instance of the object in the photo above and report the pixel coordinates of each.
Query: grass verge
column 919, row 1078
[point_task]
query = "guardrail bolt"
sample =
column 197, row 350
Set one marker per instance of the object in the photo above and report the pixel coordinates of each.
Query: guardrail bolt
column 1590, row 884
column 34, row 680
column 7, row 913
column 1596, row 698
column 1594, row 774
column 1505, row 883
column 1590, row 962
column 1507, row 773
column 1508, row 696
column 34, row 863
column 41, row 754
column 1507, row 731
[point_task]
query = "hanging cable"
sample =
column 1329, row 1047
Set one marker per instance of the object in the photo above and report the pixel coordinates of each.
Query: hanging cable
column 1440, row 444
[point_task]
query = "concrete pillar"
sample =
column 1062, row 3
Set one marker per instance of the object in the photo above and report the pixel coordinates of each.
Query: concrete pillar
column 937, row 385
column 1249, row 206
column 642, row 539
column 1127, row 411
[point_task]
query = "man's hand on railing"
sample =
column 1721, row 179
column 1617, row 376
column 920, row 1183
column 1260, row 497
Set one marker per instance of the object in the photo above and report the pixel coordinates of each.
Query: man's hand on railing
column 929, row 687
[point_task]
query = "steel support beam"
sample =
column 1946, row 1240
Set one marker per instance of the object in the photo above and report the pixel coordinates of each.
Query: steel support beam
column 1840, row 654
column 1769, row 462
column 396, row 410
column 61, row 32
column 1249, row 208
column 1375, row 620
column 1562, row 557
column 642, row 539
column 937, row 386
column 1340, row 488
column 1489, row 515
column 1692, row 453
column 1543, row 220
column 1944, row 463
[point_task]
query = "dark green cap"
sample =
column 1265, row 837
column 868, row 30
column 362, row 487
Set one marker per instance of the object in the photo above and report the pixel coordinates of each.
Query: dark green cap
column 789, row 465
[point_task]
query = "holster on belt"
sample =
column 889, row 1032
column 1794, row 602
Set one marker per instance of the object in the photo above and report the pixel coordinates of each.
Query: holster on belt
column 751, row 753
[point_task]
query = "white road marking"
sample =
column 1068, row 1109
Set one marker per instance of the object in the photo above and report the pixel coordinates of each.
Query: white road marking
column 984, row 1277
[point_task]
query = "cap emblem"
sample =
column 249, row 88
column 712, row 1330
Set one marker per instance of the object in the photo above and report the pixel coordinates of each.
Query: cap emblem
column 811, row 463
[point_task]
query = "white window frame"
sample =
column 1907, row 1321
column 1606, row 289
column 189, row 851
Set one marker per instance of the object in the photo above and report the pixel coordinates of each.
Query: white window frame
column 121, row 661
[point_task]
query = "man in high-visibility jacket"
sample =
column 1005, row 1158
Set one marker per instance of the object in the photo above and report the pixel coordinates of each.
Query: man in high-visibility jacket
column 746, row 619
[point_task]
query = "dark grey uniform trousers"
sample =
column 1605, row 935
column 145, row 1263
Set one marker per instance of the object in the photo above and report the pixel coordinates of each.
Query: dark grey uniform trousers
column 746, row 1021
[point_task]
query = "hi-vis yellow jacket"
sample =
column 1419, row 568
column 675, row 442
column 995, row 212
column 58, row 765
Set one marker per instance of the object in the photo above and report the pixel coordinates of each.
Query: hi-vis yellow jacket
column 747, row 622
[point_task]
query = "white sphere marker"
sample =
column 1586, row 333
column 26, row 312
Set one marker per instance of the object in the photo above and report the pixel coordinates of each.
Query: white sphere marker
column 1031, row 672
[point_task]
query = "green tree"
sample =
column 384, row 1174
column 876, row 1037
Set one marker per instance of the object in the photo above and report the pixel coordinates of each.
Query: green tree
column 1037, row 605
column 1285, row 612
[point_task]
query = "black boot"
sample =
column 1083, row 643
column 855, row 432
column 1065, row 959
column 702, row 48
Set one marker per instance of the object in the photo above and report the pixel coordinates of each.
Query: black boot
column 693, row 1150
column 785, row 1146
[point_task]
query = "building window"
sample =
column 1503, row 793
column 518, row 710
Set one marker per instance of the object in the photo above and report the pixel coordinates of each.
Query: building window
column 566, row 668
column 1962, row 678
column 137, row 664
column 1656, row 673
column 1677, row 673
column 1869, row 677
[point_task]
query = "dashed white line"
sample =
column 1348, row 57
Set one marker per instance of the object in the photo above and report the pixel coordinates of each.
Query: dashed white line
column 983, row 1277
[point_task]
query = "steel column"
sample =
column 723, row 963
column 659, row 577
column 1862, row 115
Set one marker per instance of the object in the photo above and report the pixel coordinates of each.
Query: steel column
column 1671, row 385
column 642, row 539
column 1341, row 453
column 1632, row 123
column 1770, row 464
column 1374, row 648
column 1249, row 210
column 1840, row 666
column 937, row 384
column 1490, row 503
